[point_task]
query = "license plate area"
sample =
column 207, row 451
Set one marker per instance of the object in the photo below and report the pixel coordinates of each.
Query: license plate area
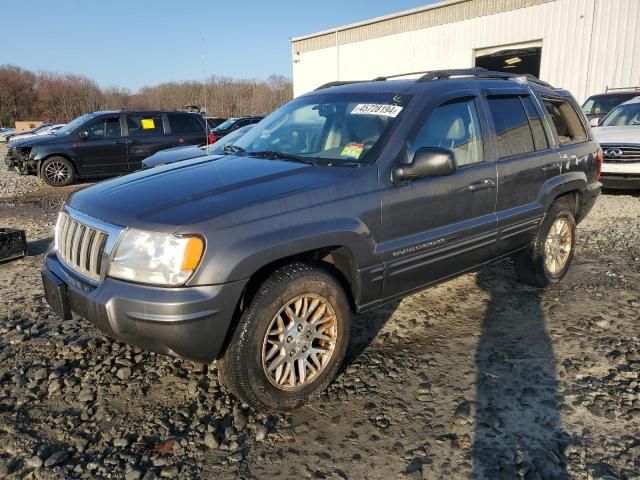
column 56, row 294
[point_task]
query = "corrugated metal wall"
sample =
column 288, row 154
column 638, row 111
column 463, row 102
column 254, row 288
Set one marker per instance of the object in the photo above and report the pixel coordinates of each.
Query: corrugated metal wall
column 586, row 44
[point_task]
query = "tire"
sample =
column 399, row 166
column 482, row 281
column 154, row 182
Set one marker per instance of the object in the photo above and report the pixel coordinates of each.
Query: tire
column 250, row 353
column 57, row 172
column 534, row 264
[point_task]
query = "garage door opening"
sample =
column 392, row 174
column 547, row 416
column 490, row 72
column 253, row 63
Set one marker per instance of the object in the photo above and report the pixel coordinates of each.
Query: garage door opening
column 519, row 61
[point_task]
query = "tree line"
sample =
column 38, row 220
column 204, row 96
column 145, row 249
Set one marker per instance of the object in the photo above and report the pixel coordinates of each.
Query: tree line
column 59, row 98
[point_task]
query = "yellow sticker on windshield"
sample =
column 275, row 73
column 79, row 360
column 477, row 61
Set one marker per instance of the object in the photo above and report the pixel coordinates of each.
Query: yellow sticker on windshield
column 352, row 150
column 148, row 124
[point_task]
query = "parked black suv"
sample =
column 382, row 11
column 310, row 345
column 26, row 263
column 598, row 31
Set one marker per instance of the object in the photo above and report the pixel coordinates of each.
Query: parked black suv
column 104, row 144
column 232, row 124
column 343, row 199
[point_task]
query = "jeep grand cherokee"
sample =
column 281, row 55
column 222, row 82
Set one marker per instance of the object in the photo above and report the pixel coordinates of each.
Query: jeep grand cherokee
column 343, row 199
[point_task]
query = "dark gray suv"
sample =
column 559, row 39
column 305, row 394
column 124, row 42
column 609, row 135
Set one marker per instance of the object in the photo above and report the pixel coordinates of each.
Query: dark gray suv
column 104, row 144
column 344, row 199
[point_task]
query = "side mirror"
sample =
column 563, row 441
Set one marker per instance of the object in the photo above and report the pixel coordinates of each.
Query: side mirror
column 594, row 122
column 427, row 162
column 83, row 134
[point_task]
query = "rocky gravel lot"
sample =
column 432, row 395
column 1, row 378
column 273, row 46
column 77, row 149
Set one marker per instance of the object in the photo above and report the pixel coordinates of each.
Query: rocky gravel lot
column 480, row 377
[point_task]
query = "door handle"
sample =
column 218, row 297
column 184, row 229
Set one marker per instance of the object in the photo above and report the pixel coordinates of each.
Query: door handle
column 119, row 142
column 481, row 185
column 551, row 166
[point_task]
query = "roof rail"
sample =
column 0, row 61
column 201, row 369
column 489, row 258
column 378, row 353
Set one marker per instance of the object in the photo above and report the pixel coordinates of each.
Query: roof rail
column 429, row 75
column 337, row 84
column 621, row 88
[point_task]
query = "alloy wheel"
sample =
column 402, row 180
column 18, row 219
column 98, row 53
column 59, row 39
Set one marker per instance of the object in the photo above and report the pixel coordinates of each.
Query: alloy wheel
column 57, row 172
column 299, row 342
column 557, row 246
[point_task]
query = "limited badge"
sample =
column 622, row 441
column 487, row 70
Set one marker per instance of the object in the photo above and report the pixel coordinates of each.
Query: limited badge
column 352, row 150
column 377, row 109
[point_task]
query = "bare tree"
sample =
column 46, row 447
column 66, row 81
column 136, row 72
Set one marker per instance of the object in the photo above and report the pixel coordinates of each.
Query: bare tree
column 61, row 97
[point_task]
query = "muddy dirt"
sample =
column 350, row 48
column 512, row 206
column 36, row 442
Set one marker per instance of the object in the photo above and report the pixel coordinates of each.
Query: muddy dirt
column 479, row 377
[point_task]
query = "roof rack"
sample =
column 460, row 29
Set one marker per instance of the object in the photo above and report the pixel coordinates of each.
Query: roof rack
column 429, row 75
column 621, row 88
column 337, row 84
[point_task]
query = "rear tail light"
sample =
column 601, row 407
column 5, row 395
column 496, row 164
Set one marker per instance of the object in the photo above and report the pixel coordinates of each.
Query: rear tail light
column 599, row 159
column 212, row 138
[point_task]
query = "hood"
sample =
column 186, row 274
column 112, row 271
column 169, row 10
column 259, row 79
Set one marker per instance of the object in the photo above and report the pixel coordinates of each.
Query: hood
column 184, row 193
column 629, row 134
column 36, row 140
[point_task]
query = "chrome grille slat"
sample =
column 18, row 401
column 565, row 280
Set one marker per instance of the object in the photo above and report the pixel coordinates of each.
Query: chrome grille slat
column 94, row 259
column 628, row 152
column 81, row 246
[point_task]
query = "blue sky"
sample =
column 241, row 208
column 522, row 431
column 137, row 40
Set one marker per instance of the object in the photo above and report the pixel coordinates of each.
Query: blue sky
column 131, row 43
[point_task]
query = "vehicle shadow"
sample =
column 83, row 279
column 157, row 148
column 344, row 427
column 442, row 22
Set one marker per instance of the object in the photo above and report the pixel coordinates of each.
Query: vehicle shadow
column 365, row 327
column 518, row 431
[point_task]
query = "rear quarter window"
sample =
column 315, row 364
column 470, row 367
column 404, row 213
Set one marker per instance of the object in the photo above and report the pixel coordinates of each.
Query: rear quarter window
column 565, row 122
column 185, row 124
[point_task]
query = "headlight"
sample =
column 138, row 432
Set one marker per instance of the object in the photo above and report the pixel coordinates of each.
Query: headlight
column 157, row 258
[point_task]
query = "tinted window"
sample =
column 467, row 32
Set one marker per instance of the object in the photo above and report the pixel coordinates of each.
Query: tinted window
column 512, row 126
column 454, row 125
column 105, row 127
column 539, row 137
column 565, row 121
column 185, row 124
column 140, row 125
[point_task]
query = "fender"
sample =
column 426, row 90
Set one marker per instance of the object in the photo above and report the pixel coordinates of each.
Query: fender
column 40, row 153
column 242, row 258
column 561, row 184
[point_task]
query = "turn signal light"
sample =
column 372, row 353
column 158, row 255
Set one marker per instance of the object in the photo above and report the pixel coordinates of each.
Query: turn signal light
column 192, row 253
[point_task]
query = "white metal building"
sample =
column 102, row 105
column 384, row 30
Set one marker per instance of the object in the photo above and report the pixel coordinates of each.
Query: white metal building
column 582, row 45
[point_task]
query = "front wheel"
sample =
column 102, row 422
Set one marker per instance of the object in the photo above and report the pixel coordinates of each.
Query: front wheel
column 57, row 172
column 547, row 259
column 290, row 341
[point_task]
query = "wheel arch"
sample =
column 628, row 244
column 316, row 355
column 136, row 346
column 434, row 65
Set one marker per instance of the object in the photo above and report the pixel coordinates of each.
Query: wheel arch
column 62, row 155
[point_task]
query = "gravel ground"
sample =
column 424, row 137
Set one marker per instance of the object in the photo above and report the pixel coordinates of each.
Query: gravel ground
column 480, row 377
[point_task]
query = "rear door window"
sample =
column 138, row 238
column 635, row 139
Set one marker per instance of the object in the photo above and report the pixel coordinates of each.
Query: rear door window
column 145, row 125
column 512, row 126
column 539, row 138
column 565, row 122
column 184, row 124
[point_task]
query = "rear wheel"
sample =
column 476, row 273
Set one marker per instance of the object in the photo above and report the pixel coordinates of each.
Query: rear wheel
column 290, row 341
column 547, row 259
column 57, row 172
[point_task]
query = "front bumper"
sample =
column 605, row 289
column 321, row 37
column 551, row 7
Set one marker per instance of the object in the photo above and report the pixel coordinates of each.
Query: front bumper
column 189, row 322
column 19, row 160
column 621, row 174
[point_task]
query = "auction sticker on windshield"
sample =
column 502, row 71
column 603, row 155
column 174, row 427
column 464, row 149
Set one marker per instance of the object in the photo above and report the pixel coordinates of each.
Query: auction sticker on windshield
column 377, row 109
column 352, row 150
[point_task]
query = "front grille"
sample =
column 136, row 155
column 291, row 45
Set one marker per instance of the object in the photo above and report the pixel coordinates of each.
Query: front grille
column 621, row 153
column 80, row 246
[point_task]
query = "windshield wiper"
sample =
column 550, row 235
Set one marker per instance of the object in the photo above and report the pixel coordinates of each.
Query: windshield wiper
column 275, row 155
column 232, row 149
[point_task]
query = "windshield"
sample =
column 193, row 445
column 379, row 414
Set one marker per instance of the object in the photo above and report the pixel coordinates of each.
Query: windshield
column 327, row 127
column 227, row 124
column 603, row 104
column 71, row 126
column 623, row 115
